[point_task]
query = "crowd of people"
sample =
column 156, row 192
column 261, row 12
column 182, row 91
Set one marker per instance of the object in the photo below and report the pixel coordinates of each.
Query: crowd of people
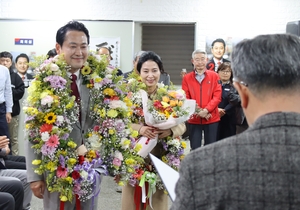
column 230, row 165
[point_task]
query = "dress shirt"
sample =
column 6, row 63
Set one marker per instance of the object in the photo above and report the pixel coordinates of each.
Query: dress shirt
column 199, row 77
column 5, row 89
column 216, row 63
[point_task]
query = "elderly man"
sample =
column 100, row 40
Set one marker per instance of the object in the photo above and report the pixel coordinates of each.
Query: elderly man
column 259, row 168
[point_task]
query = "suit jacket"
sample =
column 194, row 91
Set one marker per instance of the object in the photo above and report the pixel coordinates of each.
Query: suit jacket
column 77, row 134
column 211, row 65
column 257, row 169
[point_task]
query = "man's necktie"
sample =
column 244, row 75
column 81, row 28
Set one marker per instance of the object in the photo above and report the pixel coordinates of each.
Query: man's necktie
column 219, row 63
column 23, row 77
column 75, row 92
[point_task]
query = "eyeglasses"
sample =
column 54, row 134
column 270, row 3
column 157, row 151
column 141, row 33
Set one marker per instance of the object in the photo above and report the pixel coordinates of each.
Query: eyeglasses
column 225, row 72
column 241, row 82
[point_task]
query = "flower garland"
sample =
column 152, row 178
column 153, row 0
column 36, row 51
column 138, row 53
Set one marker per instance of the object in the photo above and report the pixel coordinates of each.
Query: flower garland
column 112, row 132
column 51, row 111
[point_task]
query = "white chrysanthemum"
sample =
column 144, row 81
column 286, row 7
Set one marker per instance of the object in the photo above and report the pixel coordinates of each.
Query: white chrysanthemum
column 45, row 136
column 60, row 118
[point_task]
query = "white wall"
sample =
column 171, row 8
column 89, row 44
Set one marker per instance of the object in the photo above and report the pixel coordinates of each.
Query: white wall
column 233, row 18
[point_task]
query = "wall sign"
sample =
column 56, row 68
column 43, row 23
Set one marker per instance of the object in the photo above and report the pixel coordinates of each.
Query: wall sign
column 23, row 41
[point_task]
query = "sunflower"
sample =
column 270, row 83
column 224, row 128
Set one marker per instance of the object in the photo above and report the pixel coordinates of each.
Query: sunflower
column 50, row 118
column 86, row 70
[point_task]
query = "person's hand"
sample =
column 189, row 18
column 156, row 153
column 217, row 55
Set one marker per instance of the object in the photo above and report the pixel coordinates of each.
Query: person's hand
column 8, row 117
column 163, row 133
column 7, row 149
column 38, row 188
column 4, row 141
column 203, row 113
column 207, row 116
column 148, row 132
column 221, row 112
column 182, row 74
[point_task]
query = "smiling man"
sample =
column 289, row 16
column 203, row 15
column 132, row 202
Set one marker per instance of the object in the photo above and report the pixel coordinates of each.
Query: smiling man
column 218, row 47
column 72, row 41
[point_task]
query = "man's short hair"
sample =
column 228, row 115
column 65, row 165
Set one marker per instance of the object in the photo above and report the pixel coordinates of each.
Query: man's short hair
column 268, row 63
column 198, row 51
column 138, row 54
column 218, row 40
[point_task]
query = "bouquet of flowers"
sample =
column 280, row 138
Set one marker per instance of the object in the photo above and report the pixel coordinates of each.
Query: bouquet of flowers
column 168, row 108
column 112, row 133
column 51, row 111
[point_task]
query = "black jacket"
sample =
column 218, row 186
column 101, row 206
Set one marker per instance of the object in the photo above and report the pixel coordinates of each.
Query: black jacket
column 18, row 89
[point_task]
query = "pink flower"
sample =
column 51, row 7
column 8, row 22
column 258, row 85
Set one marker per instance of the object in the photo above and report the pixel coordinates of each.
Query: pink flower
column 61, row 172
column 53, row 141
column 97, row 128
column 117, row 162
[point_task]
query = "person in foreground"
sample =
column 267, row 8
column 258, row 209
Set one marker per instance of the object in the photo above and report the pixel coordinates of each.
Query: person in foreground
column 72, row 40
column 259, row 168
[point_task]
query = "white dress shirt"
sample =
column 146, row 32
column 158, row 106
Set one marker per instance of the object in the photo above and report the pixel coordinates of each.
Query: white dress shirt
column 5, row 89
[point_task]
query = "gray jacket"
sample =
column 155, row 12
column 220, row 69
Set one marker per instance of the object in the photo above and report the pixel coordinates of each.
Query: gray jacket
column 257, row 169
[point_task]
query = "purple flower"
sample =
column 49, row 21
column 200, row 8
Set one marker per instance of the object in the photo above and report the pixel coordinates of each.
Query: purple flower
column 106, row 81
column 56, row 81
column 62, row 161
column 47, row 151
column 106, row 101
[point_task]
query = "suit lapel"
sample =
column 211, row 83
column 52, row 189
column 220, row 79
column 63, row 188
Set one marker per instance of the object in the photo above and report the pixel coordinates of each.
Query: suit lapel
column 84, row 95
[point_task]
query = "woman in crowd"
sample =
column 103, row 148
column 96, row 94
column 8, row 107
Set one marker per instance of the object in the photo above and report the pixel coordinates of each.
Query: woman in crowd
column 226, row 109
column 150, row 68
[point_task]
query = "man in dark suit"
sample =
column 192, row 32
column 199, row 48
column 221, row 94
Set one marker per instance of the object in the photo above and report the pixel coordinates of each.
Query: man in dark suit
column 259, row 168
column 22, row 67
column 218, row 48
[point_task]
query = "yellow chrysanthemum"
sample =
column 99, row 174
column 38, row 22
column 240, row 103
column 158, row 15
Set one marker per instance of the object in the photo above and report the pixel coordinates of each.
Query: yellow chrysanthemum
column 86, row 70
column 112, row 113
column 183, row 144
column 111, row 131
column 134, row 133
column 130, row 170
column 102, row 113
column 98, row 79
column 51, row 166
column 91, row 154
column 130, row 161
column 69, row 179
column 109, row 92
column 164, row 159
column 72, row 161
column 181, row 157
column 72, row 144
column 63, row 198
column 36, row 162
column 138, row 147
column 70, row 105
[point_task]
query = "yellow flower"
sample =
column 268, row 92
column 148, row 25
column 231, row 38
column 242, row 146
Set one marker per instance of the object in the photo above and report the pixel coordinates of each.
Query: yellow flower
column 130, row 170
column 112, row 113
column 69, row 179
column 72, row 144
column 121, row 183
column 173, row 103
column 102, row 113
column 181, row 157
column 164, row 159
column 63, row 198
column 180, row 103
column 91, row 154
column 165, row 104
column 108, row 92
column 165, row 99
column 129, row 161
column 36, row 162
column 72, row 161
column 134, row 133
column 98, row 79
column 138, row 147
column 183, row 144
column 172, row 94
column 111, row 131
column 86, row 70
column 50, row 118
column 127, row 101
column 51, row 166
column 70, row 105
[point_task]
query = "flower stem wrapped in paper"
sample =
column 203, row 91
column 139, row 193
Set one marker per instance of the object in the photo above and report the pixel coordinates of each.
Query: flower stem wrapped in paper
column 168, row 108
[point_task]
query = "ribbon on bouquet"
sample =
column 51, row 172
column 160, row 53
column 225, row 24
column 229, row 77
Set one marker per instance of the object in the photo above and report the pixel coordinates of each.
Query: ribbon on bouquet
column 145, row 190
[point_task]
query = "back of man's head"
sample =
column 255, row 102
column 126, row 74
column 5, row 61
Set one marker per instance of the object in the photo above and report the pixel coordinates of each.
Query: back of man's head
column 268, row 63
